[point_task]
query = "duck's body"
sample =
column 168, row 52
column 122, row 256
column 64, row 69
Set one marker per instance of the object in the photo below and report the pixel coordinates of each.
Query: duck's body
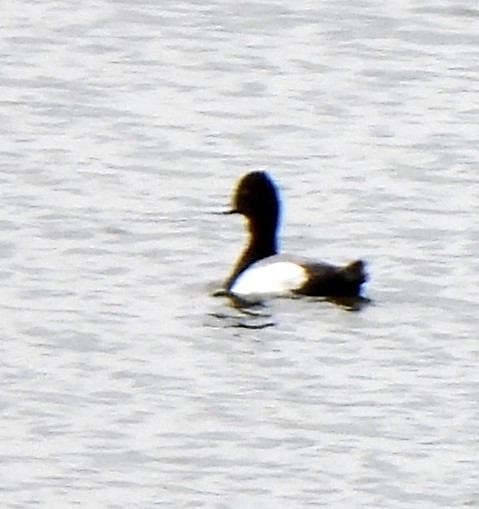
column 260, row 271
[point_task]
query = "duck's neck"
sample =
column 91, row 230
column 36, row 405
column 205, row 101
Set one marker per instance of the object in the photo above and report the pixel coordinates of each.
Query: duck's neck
column 262, row 243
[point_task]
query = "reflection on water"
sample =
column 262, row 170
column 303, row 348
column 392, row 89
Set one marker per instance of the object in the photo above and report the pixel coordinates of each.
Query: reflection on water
column 245, row 318
column 259, row 314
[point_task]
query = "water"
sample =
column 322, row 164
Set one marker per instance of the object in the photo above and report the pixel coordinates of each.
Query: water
column 124, row 125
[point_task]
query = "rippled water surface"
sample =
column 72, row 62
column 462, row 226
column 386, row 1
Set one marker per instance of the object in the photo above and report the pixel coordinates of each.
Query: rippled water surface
column 124, row 126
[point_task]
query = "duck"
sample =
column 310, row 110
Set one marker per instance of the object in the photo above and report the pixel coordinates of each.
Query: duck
column 261, row 271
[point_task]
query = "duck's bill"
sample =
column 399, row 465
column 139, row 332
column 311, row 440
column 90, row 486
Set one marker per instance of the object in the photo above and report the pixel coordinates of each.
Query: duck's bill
column 226, row 212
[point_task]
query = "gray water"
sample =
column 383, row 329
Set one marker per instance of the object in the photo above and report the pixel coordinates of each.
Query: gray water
column 124, row 126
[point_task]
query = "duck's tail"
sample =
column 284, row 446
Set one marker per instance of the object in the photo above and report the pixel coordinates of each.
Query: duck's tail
column 355, row 272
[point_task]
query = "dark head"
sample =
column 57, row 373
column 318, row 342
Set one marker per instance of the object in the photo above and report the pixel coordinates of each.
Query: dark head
column 256, row 198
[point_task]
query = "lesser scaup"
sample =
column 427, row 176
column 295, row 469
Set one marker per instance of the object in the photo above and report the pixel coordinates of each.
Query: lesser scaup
column 260, row 271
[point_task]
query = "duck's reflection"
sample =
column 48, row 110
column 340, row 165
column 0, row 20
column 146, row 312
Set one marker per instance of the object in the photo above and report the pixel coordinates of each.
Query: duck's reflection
column 257, row 314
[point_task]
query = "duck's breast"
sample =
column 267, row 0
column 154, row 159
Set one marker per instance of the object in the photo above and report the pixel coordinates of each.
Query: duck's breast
column 275, row 275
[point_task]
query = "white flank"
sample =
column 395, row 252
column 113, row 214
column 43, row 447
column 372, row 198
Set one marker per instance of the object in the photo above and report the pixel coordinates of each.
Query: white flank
column 269, row 278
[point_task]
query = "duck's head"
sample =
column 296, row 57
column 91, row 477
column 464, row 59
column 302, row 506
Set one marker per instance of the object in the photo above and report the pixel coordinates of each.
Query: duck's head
column 256, row 197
